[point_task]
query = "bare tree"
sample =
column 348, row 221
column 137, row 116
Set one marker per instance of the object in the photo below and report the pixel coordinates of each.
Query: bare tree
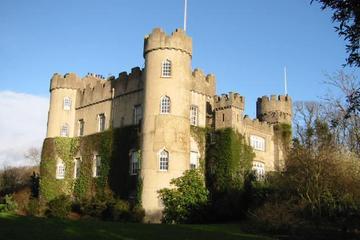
column 344, row 123
column 34, row 155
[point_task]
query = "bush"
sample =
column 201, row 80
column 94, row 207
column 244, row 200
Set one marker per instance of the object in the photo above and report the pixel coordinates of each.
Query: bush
column 33, row 207
column 119, row 210
column 187, row 202
column 59, row 207
column 95, row 207
column 137, row 214
column 8, row 204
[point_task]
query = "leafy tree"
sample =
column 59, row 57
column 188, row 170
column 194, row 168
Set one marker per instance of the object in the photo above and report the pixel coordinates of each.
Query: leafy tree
column 347, row 15
column 186, row 202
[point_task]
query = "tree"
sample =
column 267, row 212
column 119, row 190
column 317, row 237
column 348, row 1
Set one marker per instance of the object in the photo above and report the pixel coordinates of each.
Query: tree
column 347, row 15
column 33, row 154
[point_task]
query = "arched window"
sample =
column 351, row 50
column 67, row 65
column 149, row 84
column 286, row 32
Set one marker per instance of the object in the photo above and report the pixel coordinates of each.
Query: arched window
column 166, row 68
column 67, row 103
column 165, row 105
column 64, row 131
column 164, row 160
column 60, row 170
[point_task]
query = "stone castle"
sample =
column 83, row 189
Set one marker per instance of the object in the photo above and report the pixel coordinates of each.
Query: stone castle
column 164, row 99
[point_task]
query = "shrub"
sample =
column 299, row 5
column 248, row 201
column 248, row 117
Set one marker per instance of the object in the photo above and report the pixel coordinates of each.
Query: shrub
column 59, row 207
column 33, row 207
column 137, row 214
column 95, row 207
column 119, row 211
column 186, row 202
column 9, row 204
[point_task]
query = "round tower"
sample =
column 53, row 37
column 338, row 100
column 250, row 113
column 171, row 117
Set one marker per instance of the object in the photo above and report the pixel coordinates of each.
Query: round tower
column 276, row 109
column 166, row 128
column 61, row 116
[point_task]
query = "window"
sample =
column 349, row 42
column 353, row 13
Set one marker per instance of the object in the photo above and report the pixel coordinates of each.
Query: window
column 64, row 131
column 96, row 166
column 165, row 105
column 166, row 68
column 194, row 160
column 164, row 160
column 60, row 170
column 134, row 163
column 259, row 169
column 137, row 114
column 194, row 111
column 101, row 122
column 77, row 164
column 67, row 103
column 258, row 143
column 81, row 127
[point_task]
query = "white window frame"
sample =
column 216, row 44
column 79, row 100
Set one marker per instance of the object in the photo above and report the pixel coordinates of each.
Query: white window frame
column 257, row 143
column 137, row 114
column 134, row 162
column 77, row 166
column 194, row 115
column 64, row 130
column 60, row 170
column 81, row 124
column 194, row 159
column 67, row 104
column 165, row 105
column 164, row 159
column 101, row 125
column 166, row 68
column 96, row 165
column 259, row 169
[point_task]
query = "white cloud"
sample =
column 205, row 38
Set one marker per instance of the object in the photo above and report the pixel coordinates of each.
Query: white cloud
column 23, row 119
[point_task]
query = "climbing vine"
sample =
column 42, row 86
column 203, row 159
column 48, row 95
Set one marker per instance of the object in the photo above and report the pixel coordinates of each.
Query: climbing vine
column 113, row 146
column 199, row 135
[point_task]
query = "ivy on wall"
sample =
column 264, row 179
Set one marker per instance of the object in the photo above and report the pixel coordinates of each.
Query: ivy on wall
column 228, row 160
column 113, row 145
column 199, row 135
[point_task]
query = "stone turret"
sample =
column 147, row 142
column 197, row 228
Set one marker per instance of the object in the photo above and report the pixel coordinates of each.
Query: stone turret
column 63, row 94
column 229, row 109
column 165, row 132
column 276, row 109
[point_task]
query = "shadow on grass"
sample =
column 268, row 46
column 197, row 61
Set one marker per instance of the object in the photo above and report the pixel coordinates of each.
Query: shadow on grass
column 18, row 227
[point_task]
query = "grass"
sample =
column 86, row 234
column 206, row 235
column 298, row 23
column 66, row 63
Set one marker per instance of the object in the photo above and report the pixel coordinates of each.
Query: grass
column 14, row 227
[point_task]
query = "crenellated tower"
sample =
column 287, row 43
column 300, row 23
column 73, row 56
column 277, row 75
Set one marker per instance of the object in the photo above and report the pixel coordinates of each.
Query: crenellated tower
column 229, row 109
column 276, row 109
column 166, row 128
column 61, row 116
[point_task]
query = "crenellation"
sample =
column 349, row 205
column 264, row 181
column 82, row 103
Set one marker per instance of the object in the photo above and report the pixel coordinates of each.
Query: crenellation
column 158, row 39
column 229, row 100
column 274, row 110
column 257, row 125
column 201, row 83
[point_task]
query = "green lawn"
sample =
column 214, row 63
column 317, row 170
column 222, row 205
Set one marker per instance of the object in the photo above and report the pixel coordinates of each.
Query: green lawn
column 17, row 227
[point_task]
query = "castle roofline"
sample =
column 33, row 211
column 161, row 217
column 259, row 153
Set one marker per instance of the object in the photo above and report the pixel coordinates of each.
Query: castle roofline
column 177, row 40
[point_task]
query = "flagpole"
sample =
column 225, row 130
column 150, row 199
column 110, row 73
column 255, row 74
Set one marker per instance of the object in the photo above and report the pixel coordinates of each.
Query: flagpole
column 285, row 79
column 185, row 15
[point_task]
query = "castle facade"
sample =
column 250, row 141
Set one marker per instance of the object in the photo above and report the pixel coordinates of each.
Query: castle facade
column 164, row 99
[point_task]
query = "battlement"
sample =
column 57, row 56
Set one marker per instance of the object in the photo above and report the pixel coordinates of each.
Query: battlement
column 257, row 125
column 158, row 39
column 201, row 83
column 229, row 100
column 274, row 109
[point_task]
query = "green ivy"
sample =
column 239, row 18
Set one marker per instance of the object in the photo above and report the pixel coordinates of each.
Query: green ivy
column 112, row 145
column 228, row 160
column 199, row 135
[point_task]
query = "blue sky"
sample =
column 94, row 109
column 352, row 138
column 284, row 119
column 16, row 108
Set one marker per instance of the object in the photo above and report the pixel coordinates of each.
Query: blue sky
column 245, row 44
